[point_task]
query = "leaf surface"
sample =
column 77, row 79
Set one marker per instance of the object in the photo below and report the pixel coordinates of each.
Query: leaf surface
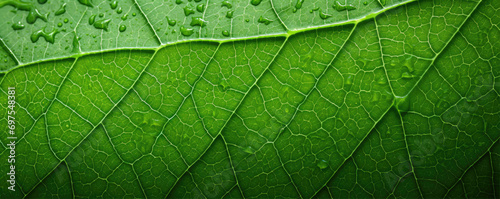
column 255, row 99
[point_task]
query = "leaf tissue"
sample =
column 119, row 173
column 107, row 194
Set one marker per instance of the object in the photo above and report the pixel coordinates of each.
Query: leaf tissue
column 250, row 99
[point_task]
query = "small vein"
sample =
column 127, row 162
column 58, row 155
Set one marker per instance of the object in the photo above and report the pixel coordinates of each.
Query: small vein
column 460, row 179
column 149, row 23
column 279, row 18
column 4, row 45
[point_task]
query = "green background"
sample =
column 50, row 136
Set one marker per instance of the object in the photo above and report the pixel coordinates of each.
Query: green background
column 265, row 99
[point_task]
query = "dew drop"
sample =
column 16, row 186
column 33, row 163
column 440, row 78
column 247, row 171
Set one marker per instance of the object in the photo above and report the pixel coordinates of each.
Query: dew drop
column 34, row 14
column 200, row 7
column 178, row 2
column 409, row 64
column 101, row 15
column 66, row 20
column 407, row 75
column 198, row 21
column 322, row 164
column 376, row 97
column 348, row 80
column 119, row 11
column 156, row 123
column 102, row 24
column 86, row 2
column 227, row 4
column 59, row 24
column 18, row 26
column 381, row 81
column 264, row 20
column 365, row 3
column 224, row 85
column 186, row 31
column 249, row 150
column 315, row 9
column 402, row 104
column 225, row 33
column 133, row 14
column 171, row 22
column 42, row 1
column 49, row 36
column 339, row 7
column 255, row 2
column 247, row 20
column 92, row 19
column 229, row 14
column 76, row 44
column 61, row 10
column 113, row 4
column 323, row 15
column 188, row 11
column 124, row 17
column 298, row 5
column 123, row 28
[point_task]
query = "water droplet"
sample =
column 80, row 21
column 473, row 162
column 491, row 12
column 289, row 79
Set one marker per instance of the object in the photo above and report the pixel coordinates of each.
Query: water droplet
column 365, row 3
column 249, row 150
column 114, row 4
column 123, row 28
column 223, row 84
column 323, row 15
column 349, row 80
column 101, row 15
column 86, row 2
column 339, row 7
column 92, row 19
column 18, row 26
column 66, row 20
column 42, row 1
column 124, row 17
column 376, row 97
column 315, row 9
column 264, row 20
column 298, row 5
column 133, row 14
column 322, row 164
column 119, row 11
column 34, row 14
column 200, row 7
column 188, row 11
column 59, row 24
column 49, row 36
column 255, row 2
column 381, row 81
column 155, row 123
column 225, row 33
column 409, row 64
column 186, row 31
column 178, row 2
column 198, row 21
column 197, row 0
column 229, row 14
column 102, row 24
column 61, row 10
column 76, row 44
column 406, row 75
column 402, row 104
column 247, row 20
column 171, row 22
column 227, row 4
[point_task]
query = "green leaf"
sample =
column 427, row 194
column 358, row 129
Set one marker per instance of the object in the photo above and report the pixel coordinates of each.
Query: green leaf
column 251, row 99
